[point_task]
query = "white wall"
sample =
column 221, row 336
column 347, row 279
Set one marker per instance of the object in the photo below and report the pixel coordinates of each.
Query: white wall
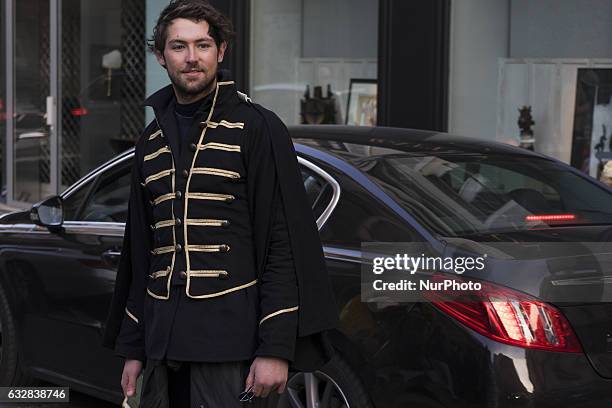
column 479, row 36
column 276, row 46
column 484, row 30
column 561, row 29
column 340, row 29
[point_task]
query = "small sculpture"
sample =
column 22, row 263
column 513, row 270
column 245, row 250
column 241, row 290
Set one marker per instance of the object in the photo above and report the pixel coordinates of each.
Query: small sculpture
column 525, row 121
column 318, row 109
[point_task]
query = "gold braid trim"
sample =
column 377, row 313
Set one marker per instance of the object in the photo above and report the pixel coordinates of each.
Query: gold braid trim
column 131, row 315
column 160, row 274
column 205, row 222
column 206, row 248
column 164, row 223
column 163, row 250
column 291, row 309
column 151, row 156
column 163, row 198
column 154, row 135
column 213, row 171
column 207, row 273
column 159, row 175
column 211, row 196
column 223, row 292
column 220, row 146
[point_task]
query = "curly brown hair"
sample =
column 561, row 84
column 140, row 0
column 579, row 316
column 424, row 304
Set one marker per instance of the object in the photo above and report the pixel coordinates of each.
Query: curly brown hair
column 220, row 27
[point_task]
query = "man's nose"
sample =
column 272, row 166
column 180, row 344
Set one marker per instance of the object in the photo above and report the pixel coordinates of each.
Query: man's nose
column 191, row 54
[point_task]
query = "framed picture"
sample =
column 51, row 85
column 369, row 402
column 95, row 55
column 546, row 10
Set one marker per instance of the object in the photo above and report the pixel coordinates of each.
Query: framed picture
column 592, row 135
column 361, row 104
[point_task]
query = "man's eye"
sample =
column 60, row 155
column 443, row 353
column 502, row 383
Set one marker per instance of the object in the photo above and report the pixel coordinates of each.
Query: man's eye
column 177, row 47
column 204, row 45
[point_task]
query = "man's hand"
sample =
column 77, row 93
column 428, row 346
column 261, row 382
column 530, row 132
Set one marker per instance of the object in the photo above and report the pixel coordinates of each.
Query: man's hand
column 131, row 371
column 266, row 375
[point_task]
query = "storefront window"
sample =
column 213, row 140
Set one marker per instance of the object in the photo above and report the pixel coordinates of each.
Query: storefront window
column 314, row 61
column 2, row 103
column 523, row 75
column 103, row 80
column 31, row 69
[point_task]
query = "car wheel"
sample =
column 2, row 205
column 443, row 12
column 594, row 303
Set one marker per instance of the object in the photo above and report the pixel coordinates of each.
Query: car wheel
column 11, row 371
column 334, row 386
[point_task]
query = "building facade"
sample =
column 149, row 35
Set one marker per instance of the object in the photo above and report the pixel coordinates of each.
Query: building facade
column 73, row 74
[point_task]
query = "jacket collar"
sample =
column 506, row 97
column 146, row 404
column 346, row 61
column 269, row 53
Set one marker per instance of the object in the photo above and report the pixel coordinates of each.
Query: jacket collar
column 221, row 101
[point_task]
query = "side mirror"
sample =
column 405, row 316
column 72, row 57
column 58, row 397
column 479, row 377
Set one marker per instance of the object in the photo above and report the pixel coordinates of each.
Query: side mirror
column 48, row 213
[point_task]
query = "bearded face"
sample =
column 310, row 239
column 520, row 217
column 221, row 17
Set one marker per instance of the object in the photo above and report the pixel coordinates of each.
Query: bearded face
column 191, row 58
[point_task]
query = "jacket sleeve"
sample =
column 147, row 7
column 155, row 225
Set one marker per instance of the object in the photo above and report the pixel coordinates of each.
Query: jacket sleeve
column 136, row 247
column 278, row 291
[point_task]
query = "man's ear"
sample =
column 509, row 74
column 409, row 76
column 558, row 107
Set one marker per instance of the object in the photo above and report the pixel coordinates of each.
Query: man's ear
column 160, row 58
column 221, row 52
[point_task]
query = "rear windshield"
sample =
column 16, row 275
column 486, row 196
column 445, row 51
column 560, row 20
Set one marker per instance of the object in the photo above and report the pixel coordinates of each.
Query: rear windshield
column 464, row 194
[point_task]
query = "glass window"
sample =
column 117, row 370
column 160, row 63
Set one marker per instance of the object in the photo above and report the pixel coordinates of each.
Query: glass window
column 74, row 202
column 103, row 82
column 359, row 218
column 3, row 104
column 318, row 191
column 109, row 200
column 308, row 56
column 467, row 194
column 31, row 159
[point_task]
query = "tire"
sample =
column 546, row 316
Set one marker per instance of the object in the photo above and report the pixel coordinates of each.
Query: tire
column 11, row 369
column 334, row 386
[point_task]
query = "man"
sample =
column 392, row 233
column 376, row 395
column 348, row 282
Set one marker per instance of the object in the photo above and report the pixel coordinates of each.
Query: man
column 222, row 282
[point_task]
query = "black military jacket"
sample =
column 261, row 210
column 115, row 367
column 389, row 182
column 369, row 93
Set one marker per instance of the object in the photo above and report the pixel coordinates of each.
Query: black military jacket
column 221, row 258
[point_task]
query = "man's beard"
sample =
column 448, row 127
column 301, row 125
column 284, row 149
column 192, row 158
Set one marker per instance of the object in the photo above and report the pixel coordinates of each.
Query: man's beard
column 187, row 89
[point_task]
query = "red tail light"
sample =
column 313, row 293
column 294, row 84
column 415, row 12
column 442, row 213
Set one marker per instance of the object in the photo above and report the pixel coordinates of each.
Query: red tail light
column 551, row 217
column 79, row 111
column 508, row 317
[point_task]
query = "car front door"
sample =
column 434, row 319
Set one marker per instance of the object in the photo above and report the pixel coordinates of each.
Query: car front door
column 75, row 272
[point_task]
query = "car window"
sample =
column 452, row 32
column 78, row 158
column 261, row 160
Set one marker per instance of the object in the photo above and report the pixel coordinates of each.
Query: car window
column 318, row 191
column 109, row 200
column 73, row 202
column 359, row 218
column 458, row 195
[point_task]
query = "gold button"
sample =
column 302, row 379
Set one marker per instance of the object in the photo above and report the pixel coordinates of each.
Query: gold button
column 177, row 221
column 224, row 248
column 192, row 147
column 178, row 248
column 178, row 195
column 185, row 173
column 229, row 199
column 225, row 223
column 183, row 274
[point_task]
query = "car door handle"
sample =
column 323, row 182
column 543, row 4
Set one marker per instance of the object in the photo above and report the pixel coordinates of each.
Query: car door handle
column 112, row 257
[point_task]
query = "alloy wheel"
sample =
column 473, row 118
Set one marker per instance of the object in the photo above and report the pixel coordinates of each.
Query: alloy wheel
column 313, row 390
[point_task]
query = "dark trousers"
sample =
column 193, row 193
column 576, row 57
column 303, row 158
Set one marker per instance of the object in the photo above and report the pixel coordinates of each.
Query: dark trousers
column 171, row 384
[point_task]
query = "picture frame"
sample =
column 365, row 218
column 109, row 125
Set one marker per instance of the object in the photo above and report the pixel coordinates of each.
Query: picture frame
column 592, row 133
column 361, row 106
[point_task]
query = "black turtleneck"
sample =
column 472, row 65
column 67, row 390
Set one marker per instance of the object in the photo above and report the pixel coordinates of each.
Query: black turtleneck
column 184, row 114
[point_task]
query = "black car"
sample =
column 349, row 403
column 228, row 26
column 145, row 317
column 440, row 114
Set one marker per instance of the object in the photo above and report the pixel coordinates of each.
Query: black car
column 513, row 345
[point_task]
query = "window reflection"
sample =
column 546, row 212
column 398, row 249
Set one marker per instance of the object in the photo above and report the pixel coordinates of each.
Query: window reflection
column 305, row 54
